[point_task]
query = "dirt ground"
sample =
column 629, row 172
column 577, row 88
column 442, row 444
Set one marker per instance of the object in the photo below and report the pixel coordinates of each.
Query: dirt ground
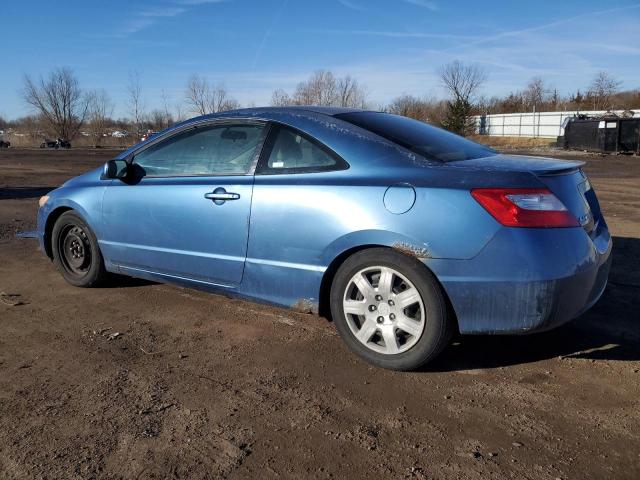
column 201, row 386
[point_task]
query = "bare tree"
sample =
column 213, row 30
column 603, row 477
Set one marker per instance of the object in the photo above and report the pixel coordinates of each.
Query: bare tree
column 602, row 90
column 536, row 93
column 136, row 105
column 423, row 109
column 280, row 98
column 323, row 88
column 204, row 98
column 555, row 99
column 319, row 89
column 463, row 83
column 168, row 118
column 197, row 95
column 34, row 125
column 59, row 100
column 99, row 111
column 221, row 101
column 350, row 93
column 158, row 119
column 180, row 115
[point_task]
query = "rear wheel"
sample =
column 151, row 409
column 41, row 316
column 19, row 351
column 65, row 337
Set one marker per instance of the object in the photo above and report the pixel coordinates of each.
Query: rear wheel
column 76, row 253
column 389, row 309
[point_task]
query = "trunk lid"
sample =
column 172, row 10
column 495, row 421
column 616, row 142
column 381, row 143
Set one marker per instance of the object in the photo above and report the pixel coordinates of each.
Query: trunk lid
column 574, row 190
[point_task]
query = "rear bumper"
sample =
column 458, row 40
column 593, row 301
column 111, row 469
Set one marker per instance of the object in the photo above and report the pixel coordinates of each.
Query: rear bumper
column 527, row 280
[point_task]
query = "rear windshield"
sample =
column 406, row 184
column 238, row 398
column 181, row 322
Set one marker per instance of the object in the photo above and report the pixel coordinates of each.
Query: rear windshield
column 419, row 137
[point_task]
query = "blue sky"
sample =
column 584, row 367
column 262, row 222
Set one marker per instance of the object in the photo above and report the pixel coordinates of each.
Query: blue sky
column 254, row 47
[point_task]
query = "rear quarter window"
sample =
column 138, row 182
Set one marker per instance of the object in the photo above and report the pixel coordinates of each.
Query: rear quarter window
column 290, row 151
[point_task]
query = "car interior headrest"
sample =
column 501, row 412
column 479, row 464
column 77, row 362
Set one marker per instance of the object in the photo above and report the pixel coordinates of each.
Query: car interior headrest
column 229, row 134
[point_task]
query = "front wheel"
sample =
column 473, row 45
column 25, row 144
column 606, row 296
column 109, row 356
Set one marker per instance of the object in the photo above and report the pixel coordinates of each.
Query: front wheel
column 76, row 253
column 389, row 309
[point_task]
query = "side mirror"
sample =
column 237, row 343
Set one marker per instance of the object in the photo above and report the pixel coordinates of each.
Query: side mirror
column 115, row 169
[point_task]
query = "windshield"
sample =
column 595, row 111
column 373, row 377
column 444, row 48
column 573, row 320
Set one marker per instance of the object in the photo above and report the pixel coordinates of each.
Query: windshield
column 419, row 137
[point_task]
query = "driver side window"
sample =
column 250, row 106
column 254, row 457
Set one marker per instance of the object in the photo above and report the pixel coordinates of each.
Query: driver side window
column 208, row 150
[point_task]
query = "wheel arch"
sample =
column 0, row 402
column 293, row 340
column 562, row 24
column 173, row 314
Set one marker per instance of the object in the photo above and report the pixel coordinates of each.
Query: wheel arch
column 88, row 213
column 52, row 218
column 324, row 304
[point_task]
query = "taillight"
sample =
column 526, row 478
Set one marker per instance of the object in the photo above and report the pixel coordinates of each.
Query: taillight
column 525, row 207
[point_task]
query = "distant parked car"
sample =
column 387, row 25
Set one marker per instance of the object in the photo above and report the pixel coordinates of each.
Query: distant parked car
column 404, row 232
column 59, row 143
column 147, row 135
column 4, row 144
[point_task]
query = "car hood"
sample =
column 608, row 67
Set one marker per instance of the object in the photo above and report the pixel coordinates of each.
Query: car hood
column 90, row 177
column 519, row 163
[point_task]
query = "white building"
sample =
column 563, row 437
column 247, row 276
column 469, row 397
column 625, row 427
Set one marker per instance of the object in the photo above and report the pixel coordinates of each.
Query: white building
column 538, row 124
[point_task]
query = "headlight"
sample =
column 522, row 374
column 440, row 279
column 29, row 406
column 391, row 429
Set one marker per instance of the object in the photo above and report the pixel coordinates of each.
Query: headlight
column 43, row 200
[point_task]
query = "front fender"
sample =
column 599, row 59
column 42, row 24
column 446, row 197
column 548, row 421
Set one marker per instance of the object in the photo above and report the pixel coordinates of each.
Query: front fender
column 85, row 202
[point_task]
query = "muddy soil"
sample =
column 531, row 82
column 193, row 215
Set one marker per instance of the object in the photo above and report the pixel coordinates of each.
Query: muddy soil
column 143, row 380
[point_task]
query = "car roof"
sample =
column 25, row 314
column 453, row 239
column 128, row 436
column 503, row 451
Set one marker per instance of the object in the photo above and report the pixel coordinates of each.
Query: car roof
column 306, row 118
column 265, row 112
column 331, row 111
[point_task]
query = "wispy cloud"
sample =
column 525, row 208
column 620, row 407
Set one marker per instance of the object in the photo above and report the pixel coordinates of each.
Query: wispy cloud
column 397, row 34
column 536, row 28
column 133, row 26
column 433, row 6
column 162, row 12
column 510, row 57
column 199, row 2
column 148, row 17
column 267, row 33
column 352, row 5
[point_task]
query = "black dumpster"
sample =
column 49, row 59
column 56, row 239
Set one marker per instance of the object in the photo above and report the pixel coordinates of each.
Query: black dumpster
column 629, row 136
column 605, row 135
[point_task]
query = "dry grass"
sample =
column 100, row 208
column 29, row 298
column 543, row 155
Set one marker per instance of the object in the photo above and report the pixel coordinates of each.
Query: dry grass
column 80, row 141
column 513, row 142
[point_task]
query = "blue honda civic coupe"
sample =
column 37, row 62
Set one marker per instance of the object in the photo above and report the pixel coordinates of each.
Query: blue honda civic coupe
column 400, row 232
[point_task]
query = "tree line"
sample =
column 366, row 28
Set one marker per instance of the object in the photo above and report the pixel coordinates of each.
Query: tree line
column 62, row 108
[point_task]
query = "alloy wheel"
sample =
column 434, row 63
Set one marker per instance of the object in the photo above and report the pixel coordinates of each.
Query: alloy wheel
column 384, row 310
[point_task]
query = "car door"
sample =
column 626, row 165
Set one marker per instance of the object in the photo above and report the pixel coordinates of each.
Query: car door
column 300, row 206
column 187, row 216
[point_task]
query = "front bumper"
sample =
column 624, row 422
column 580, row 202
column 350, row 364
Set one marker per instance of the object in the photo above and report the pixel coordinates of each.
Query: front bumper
column 41, row 221
column 527, row 280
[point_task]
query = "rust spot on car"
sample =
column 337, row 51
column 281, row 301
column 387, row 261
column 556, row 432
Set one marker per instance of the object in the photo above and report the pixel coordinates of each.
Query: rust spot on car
column 305, row 305
column 411, row 250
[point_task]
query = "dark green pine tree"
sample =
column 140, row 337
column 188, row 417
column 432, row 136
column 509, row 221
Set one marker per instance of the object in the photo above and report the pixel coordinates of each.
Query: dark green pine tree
column 456, row 118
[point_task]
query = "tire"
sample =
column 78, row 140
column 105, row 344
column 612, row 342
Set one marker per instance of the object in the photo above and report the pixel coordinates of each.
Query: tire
column 76, row 253
column 385, row 342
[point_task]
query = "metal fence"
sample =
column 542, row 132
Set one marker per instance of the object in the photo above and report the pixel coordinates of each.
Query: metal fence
column 532, row 124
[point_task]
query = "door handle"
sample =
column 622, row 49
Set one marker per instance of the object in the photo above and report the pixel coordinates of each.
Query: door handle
column 220, row 195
